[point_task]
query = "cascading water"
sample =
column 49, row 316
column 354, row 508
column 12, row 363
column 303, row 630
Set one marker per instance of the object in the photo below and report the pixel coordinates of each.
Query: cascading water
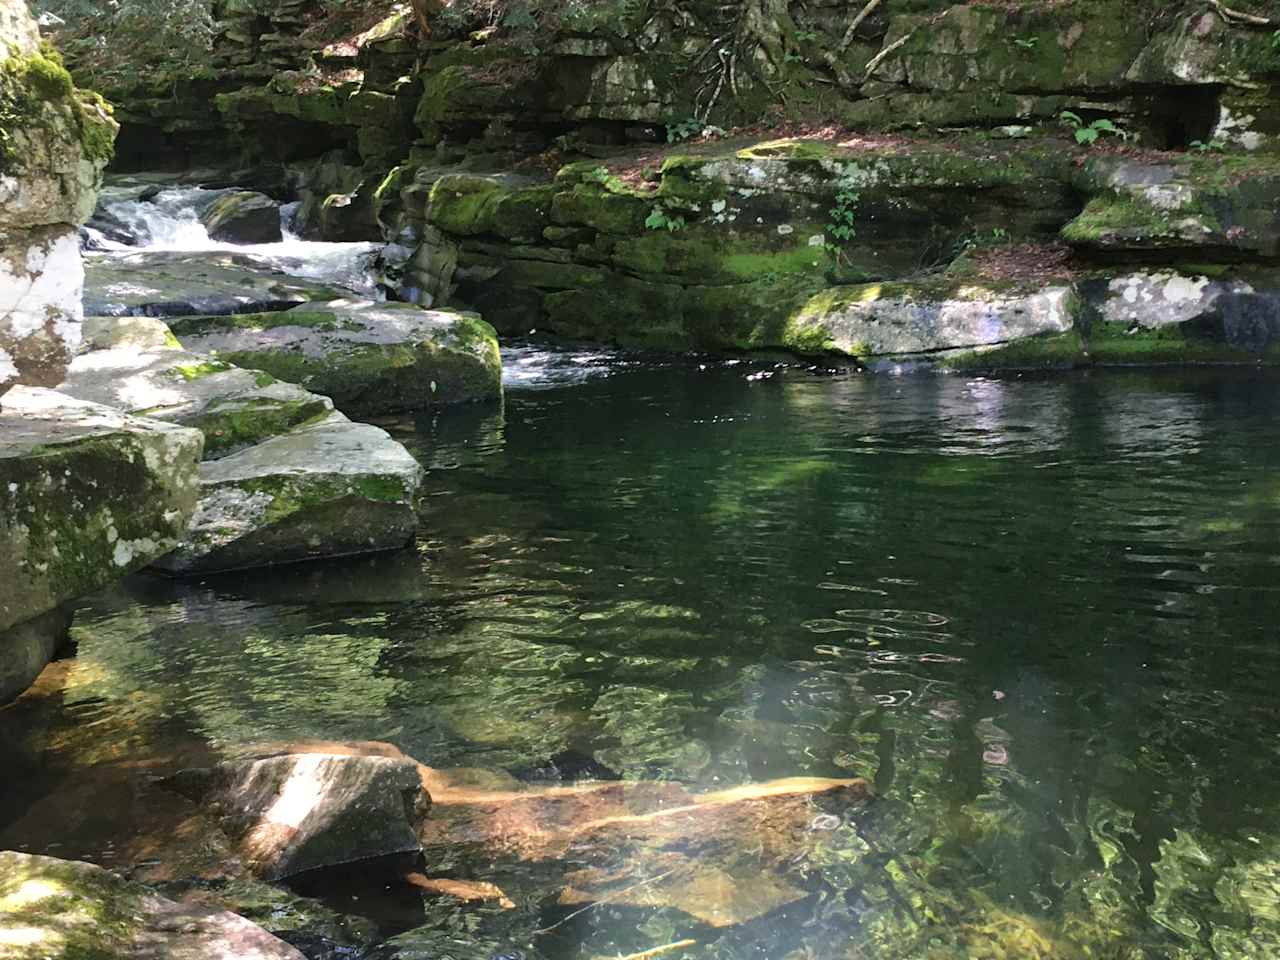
column 169, row 220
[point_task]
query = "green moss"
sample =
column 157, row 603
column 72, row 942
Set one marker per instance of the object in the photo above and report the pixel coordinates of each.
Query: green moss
column 1046, row 352
column 241, row 424
column 1113, row 343
column 383, row 488
column 198, row 371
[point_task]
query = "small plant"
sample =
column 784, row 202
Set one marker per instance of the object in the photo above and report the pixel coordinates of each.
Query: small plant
column 1087, row 134
column 1216, row 145
column 842, row 218
column 683, row 130
column 1026, row 43
column 660, row 219
column 597, row 175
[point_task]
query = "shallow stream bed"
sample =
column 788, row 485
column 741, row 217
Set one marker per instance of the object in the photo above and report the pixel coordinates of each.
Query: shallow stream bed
column 1038, row 614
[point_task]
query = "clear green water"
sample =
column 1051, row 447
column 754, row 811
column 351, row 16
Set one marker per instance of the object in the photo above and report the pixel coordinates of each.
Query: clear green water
column 1039, row 614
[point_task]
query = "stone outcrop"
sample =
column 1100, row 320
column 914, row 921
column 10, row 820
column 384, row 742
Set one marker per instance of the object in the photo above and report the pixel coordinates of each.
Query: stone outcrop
column 87, row 495
column 574, row 177
column 371, row 358
column 57, row 140
column 297, row 812
column 65, row 908
column 286, row 477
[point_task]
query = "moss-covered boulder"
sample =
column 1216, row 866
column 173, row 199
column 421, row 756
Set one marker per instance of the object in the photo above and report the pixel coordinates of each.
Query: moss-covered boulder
column 369, row 357
column 87, row 495
column 174, row 284
column 233, row 408
column 1205, row 207
column 243, row 217
column 334, row 488
column 896, row 319
column 64, row 908
column 297, row 812
column 1169, row 317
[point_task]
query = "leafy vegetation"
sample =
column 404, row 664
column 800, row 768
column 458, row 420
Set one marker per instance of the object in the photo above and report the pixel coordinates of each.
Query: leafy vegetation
column 660, row 219
column 1087, row 134
column 843, row 215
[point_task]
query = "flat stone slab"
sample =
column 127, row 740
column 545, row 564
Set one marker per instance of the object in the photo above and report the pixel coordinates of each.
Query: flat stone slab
column 161, row 283
column 335, row 488
column 65, row 908
column 895, row 319
column 233, row 408
column 87, row 495
column 370, row 358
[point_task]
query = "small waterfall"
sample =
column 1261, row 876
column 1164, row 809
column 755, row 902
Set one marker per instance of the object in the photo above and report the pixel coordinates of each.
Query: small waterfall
column 169, row 220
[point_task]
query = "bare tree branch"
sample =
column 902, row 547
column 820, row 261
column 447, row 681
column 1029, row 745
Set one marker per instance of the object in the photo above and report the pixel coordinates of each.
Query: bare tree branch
column 857, row 22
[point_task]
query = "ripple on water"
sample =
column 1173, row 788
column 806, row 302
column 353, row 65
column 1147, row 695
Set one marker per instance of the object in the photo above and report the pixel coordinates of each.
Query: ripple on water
column 636, row 573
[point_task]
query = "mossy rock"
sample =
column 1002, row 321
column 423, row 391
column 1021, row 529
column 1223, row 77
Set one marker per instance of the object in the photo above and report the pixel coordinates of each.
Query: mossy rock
column 134, row 481
column 330, row 489
column 70, row 909
column 370, row 358
column 232, row 407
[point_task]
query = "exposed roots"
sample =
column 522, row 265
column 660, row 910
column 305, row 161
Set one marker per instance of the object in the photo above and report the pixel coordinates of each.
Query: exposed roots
column 760, row 39
column 1237, row 17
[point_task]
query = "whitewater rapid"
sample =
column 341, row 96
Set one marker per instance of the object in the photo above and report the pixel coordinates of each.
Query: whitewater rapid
column 170, row 221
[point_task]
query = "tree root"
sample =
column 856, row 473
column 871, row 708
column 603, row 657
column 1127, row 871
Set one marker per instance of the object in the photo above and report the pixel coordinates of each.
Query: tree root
column 1240, row 17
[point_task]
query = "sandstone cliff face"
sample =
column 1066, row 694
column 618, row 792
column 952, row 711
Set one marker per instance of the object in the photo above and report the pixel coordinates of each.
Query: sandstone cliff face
column 55, row 142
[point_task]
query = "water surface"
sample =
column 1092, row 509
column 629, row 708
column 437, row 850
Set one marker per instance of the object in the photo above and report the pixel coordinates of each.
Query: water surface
column 1039, row 614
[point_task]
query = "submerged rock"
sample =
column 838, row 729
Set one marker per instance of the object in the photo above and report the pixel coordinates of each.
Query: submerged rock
column 298, row 812
column 27, row 648
column 87, row 495
column 63, row 908
column 722, row 858
column 243, row 217
column 332, row 489
column 369, row 357
column 161, row 283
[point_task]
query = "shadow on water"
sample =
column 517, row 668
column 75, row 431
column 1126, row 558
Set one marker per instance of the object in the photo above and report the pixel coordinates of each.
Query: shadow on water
column 1037, row 613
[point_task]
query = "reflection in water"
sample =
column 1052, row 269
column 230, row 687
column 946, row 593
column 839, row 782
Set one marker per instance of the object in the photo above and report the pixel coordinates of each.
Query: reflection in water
column 1036, row 614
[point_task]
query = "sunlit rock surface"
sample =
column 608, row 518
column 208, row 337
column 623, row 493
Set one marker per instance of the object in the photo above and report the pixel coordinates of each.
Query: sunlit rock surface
column 87, row 495
column 57, row 140
column 293, row 480
column 369, row 357
column 293, row 813
column 233, row 408
column 161, row 283
column 335, row 488
column 63, row 908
